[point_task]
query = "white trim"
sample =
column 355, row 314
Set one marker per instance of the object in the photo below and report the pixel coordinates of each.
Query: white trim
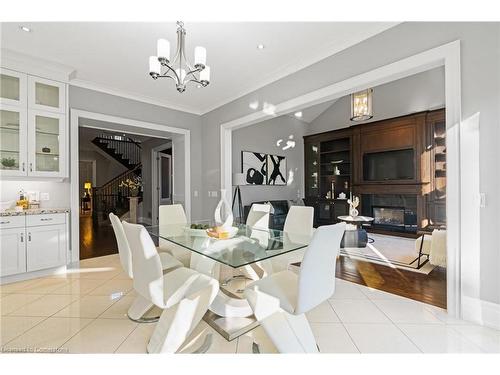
column 132, row 96
column 480, row 311
column 154, row 177
column 447, row 55
column 74, row 157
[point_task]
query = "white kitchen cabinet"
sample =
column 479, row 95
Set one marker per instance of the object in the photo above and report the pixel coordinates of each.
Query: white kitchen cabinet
column 46, row 95
column 13, row 88
column 13, row 141
column 46, row 144
column 13, row 251
column 46, row 246
column 33, row 126
column 32, row 242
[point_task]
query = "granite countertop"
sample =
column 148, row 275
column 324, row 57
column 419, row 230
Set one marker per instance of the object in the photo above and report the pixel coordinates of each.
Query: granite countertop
column 33, row 211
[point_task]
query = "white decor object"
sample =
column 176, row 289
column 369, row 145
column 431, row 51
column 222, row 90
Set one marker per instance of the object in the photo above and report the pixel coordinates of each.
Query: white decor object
column 223, row 212
column 353, row 203
column 361, row 105
column 179, row 69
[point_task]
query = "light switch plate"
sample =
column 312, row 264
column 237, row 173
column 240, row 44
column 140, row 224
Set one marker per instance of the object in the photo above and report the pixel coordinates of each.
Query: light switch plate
column 44, row 196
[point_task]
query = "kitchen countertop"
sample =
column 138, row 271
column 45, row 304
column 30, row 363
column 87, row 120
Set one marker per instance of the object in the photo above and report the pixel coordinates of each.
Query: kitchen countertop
column 33, row 211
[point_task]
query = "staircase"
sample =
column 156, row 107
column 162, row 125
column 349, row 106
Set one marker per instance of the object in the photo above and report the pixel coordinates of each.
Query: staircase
column 123, row 149
column 110, row 197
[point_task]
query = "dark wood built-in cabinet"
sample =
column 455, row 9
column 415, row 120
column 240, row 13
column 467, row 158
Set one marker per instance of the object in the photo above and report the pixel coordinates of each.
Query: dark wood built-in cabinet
column 397, row 167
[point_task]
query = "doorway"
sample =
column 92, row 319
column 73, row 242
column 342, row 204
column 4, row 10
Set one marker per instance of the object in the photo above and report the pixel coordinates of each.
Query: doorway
column 163, row 179
column 121, row 129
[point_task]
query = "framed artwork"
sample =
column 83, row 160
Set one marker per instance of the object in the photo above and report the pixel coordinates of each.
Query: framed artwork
column 276, row 167
column 254, row 167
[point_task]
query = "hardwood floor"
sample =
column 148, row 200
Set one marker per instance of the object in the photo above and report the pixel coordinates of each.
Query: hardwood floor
column 429, row 288
column 96, row 241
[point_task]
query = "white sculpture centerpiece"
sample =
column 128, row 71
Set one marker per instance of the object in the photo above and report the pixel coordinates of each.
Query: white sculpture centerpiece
column 353, row 203
column 223, row 219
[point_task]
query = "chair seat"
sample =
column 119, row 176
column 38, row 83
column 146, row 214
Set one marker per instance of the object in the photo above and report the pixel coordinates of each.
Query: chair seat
column 283, row 286
column 168, row 261
column 181, row 282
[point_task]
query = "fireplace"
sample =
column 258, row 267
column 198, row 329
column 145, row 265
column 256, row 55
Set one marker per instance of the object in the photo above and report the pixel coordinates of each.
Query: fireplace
column 392, row 212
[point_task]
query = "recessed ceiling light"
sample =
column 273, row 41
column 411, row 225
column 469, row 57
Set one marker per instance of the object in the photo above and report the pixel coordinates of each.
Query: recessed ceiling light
column 298, row 114
column 25, row 28
column 261, row 46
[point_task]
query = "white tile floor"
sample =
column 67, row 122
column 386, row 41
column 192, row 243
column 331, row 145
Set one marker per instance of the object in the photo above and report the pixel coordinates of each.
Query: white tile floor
column 85, row 312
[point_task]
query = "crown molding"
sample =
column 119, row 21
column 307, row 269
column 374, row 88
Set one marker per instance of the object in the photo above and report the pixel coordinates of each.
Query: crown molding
column 132, row 96
column 21, row 62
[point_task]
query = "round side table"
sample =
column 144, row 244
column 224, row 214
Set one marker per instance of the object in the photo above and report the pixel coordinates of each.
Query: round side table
column 357, row 237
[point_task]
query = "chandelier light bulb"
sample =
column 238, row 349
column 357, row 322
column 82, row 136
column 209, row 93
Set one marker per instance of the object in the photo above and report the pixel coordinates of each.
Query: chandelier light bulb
column 200, row 57
column 163, row 49
column 154, row 66
column 205, row 75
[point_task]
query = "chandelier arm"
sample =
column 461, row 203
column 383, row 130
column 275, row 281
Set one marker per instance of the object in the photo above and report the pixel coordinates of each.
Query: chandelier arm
column 173, row 71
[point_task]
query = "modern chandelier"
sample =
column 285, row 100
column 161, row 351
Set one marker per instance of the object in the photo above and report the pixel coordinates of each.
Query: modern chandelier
column 179, row 69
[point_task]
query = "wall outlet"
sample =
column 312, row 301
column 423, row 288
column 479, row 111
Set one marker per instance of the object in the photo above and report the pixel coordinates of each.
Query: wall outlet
column 215, row 194
column 44, row 196
column 195, row 193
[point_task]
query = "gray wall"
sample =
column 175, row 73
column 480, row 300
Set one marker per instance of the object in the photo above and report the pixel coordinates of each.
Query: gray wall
column 480, row 63
column 106, row 169
column 262, row 137
column 416, row 93
column 93, row 101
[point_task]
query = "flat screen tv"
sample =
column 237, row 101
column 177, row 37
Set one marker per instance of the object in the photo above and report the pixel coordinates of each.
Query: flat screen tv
column 389, row 165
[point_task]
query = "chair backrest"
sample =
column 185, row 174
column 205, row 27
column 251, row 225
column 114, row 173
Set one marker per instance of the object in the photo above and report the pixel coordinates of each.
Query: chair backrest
column 317, row 271
column 300, row 220
column 123, row 246
column 171, row 214
column 146, row 264
column 258, row 217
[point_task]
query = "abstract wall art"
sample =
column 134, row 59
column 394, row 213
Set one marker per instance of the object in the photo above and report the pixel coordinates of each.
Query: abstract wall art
column 263, row 169
column 254, row 167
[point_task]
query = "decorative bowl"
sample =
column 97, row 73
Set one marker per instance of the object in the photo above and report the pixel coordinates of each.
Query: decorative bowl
column 222, row 234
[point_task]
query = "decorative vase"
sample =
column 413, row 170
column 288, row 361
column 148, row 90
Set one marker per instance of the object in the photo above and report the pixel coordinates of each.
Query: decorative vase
column 223, row 212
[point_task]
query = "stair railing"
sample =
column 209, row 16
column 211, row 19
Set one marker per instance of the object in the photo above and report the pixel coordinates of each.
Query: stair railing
column 124, row 147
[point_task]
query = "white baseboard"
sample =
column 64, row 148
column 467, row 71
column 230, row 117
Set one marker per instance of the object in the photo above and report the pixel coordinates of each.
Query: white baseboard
column 481, row 312
column 32, row 275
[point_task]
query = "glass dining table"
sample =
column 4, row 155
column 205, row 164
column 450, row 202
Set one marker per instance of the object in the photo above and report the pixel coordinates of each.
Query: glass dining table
column 247, row 251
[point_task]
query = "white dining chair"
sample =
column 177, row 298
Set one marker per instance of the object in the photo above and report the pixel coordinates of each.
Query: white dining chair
column 172, row 215
column 298, row 227
column 280, row 301
column 139, row 307
column 183, row 294
column 258, row 217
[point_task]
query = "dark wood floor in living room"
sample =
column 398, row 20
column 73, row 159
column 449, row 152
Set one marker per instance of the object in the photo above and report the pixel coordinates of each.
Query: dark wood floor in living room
column 96, row 241
column 429, row 288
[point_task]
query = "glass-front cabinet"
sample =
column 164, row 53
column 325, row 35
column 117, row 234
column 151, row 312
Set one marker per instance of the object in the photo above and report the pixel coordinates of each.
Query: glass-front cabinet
column 12, row 88
column 312, row 169
column 46, row 95
column 32, row 126
column 12, row 141
column 46, row 132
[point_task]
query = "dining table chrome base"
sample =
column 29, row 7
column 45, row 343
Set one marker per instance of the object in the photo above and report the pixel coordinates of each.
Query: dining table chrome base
column 230, row 315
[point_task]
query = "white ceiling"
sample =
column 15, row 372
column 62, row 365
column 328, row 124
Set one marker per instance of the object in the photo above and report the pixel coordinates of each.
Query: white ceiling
column 114, row 56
